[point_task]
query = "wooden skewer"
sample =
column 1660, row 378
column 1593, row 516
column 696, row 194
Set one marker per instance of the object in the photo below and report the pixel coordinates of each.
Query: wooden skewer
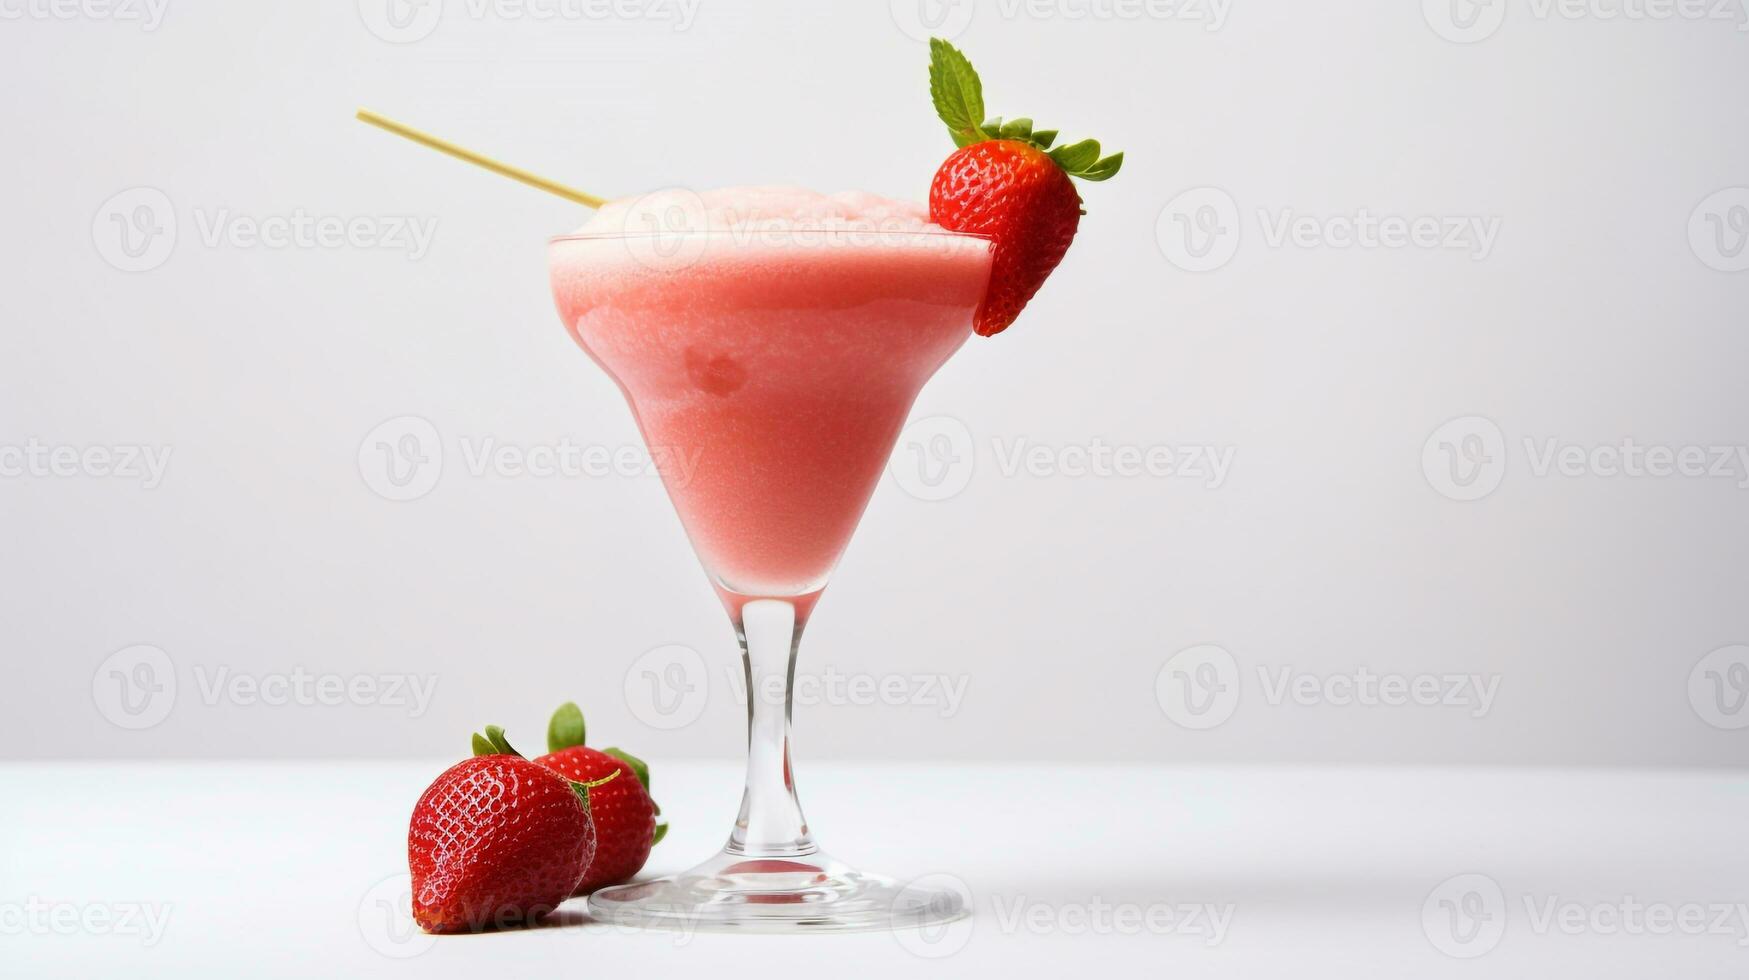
column 480, row 160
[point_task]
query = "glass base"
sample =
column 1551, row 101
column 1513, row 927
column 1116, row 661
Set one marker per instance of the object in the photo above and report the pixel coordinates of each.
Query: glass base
column 815, row 893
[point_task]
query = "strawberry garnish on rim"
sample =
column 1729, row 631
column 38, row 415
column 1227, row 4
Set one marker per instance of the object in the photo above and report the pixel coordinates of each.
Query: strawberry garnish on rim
column 1008, row 183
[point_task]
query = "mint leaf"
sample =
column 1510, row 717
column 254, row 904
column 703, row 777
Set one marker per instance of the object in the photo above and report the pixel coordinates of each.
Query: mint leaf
column 566, row 729
column 957, row 93
column 959, row 101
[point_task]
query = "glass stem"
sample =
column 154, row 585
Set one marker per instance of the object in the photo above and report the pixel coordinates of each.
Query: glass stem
column 771, row 822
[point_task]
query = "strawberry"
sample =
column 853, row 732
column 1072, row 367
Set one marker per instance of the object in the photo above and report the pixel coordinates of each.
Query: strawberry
column 496, row 841
column 1006, row 183
column 625, row 816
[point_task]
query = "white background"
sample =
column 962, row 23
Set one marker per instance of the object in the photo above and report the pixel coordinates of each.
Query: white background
column 1053, row 602
column 1431, row 873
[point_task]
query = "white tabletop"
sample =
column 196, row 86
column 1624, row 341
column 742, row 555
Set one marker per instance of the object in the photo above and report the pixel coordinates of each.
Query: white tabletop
column 285, row 870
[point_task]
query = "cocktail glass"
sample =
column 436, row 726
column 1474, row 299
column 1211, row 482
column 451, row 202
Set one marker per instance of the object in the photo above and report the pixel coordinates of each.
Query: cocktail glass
column 781, row 363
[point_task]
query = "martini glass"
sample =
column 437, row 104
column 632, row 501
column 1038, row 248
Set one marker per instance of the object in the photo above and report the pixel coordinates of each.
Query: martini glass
column 781, row 363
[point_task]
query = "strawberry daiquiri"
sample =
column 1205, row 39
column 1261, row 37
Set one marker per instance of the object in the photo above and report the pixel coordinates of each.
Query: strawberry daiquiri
column 770, row 343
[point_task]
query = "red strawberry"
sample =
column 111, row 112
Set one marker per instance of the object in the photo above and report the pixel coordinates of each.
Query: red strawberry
column 625, row 816
column 1006, row 183
column 496, row 841
column 1017, row 196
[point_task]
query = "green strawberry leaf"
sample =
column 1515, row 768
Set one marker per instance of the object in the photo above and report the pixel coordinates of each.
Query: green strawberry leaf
column 638, row 767
column 1076, row 157
column 566, row 729
column 957, row 93
column 1103, row 169
column 661, row 832
column 494, row 743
